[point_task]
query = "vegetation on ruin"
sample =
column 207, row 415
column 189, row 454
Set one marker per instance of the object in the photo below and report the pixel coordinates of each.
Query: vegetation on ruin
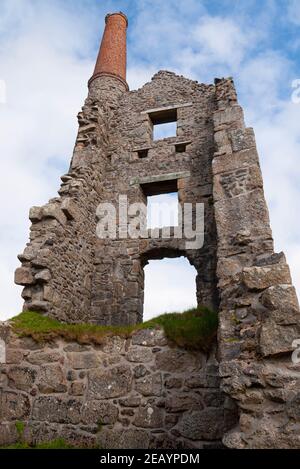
column 55, row 444
column 194, row 329
column 20, row 427
column 59, row 443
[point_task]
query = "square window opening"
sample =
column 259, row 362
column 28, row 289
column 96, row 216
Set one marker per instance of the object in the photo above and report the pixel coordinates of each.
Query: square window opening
column 180, row 148
column 162, row 204
column 143, row 153
column 164, row 124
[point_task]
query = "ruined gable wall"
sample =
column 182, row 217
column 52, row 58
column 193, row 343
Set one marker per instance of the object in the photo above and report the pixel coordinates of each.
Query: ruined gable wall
column 121, row 262
column 67, row 271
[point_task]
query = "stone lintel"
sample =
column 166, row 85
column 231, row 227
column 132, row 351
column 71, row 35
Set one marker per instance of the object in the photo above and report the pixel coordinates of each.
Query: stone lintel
column 160, row 178
column 166, row 108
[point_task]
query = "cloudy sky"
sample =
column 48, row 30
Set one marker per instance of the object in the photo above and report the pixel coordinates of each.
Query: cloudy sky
column 47, row 54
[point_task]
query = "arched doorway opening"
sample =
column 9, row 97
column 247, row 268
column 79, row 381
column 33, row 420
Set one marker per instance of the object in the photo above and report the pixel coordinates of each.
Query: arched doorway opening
column 170, row 286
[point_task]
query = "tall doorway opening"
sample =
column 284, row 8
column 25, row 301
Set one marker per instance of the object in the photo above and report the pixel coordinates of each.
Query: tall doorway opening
column 169, row 286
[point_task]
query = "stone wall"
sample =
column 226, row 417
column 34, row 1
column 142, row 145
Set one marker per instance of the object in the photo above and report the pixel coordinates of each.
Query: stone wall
column 259, row 310
column 136, row 393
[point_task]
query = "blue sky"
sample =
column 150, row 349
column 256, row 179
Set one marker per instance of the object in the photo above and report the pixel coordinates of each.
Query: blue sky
column 47, row 54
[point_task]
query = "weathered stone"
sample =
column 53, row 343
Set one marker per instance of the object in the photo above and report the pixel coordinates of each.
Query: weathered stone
column 21, row 377
column 123, row 439
column 213, row 398
column 83, row 360
column 207, row 424
column 77, row 388
column 35, row 214
column 27, row 293
column 149, row 417
column 48, row 293
column 28, row 254
column 127, row 412
column 181, row 402
column 270, row 259
column 283, row 303
column 293, row 408
column 39, row 358
column 8, row 434
column 43, row 276
column 43, row 432
column 260, row 278
column 114, row 345
column 100, row 413
column 75, row 347
column 57, row 409
column 23, row 276
column 132, row 401
column 38, row 306
column 140, row 354
column 149, row 337
column 13, row 356
column 150, row 385
column 140, row 371
column 276, row 395
column 42, row 259
column 242, row 139
column 115, row 382
column 176, row 360
column 71, row 375
column 13, row 406
column 27, row 343
column 202, row 380
column 173, row 382
column 52, row 379
column 53, row 211
column 276, row 339
column 70, row 209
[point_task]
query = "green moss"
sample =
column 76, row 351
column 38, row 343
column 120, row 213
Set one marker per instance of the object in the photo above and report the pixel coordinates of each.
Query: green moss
column 231, row 340
column 194, row 329
column 55, row 444
column 20, row 427
column 234, row 319
column 17, row 446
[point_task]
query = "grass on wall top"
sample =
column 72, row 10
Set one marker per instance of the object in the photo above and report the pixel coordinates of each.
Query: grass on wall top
column 194, row 329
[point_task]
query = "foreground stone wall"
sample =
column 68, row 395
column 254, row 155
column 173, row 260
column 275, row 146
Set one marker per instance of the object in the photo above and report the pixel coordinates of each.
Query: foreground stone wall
column 134, row 393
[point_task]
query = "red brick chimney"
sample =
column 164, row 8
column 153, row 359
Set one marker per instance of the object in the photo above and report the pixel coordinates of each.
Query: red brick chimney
column 111, row 60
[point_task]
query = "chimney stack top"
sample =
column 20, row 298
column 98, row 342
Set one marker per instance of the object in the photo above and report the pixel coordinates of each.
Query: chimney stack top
column 112, row 56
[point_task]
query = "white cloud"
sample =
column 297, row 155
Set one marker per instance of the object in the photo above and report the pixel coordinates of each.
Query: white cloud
column 137, row 76
column 221, row 40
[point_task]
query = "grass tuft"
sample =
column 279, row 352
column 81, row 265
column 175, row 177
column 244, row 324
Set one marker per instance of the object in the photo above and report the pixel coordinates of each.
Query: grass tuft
column 55, row 444
column 194, row 329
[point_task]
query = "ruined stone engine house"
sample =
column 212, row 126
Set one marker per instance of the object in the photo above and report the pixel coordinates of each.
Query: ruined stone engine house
column 69, row 274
